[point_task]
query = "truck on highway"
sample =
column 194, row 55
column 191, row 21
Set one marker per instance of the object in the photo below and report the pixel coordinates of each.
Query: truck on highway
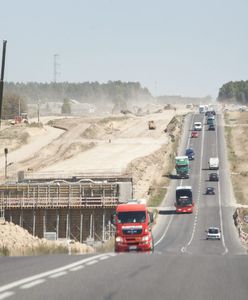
column 184, row 199
column 133, row 227
column 210, row 120
column 182, row 166
column 203, row 109
column 213, row 163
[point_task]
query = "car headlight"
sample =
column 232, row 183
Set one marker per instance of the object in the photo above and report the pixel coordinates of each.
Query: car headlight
column 119, row 239
column 145, row 238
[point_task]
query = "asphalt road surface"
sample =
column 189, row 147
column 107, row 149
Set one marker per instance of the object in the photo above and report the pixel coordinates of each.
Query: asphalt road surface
column 184, row 264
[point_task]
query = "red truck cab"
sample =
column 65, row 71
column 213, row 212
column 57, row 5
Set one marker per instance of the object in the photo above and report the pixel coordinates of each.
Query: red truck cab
column 133, row 228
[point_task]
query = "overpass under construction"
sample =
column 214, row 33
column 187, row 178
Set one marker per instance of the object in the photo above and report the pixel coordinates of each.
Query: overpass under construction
column 72, row 207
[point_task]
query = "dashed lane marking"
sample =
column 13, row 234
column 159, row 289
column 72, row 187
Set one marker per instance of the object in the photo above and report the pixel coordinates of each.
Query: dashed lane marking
column 91, row 262
column 199, row 193
column 58, row 274
column 6, row 295
column 76, row 268
column 171, row 218
column 32, row 283
column 104, row 257
column 31, row 279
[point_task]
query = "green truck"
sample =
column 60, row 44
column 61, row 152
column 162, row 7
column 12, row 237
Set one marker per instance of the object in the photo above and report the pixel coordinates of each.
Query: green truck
column 182, row 166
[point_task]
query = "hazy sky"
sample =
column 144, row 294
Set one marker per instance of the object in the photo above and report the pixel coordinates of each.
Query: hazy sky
column 176, row 47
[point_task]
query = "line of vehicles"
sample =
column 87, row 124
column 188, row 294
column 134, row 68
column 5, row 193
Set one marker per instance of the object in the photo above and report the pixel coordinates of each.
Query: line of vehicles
column 133, row 220
column 184, row 197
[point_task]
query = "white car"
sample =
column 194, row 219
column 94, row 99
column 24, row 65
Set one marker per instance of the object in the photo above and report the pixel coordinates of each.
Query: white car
column 213, row 233
column 197, row 126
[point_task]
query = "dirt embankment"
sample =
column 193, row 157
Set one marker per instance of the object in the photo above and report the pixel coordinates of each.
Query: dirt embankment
column 236, row 125
column 150, row 173
column 237, row 142
column 122, row 141
column 16, row 241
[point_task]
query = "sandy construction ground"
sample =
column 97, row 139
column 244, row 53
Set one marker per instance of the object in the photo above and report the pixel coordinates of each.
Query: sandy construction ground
column 89, row 145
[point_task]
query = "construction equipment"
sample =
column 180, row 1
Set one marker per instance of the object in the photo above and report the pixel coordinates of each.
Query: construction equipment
column 151, row 125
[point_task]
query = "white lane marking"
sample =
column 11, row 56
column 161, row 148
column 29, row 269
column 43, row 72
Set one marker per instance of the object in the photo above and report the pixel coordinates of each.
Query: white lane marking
column 91, row 262
column 58, row 274
column 32, row 283
column 189, row 139
column 104, row 257
column 76, row 268
column 48, row 273
column 6, row 295
column 111, row 254
column 167, row 228
column 168, row 225
column 220, row 204
column 199, row 193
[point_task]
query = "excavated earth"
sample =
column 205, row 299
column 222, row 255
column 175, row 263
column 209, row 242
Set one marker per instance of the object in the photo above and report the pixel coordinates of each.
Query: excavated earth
column 115, row 144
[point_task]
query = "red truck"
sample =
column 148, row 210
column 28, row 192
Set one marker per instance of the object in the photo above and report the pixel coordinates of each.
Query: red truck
column 133, row 228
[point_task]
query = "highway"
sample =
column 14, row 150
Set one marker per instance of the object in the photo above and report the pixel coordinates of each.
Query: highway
column 184, row 264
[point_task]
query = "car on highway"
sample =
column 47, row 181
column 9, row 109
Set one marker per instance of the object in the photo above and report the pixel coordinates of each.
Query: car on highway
column 198, row 126
column 211, row 127
column 190, row 153
column 210, row 190
column 194, row 134
column 213, row 233
column 213, row 177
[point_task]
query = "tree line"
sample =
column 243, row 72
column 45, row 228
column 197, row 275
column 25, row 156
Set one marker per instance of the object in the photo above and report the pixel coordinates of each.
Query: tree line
column 18, row 95
column 82, row 92
column 234, row 91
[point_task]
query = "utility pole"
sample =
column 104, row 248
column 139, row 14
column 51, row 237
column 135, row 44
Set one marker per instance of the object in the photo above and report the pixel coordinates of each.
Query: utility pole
column 6, row 162
column 38, row 112
column 2, row 78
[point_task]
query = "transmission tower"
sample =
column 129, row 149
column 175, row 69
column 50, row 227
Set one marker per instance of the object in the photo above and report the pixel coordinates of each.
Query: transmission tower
column 55, row 67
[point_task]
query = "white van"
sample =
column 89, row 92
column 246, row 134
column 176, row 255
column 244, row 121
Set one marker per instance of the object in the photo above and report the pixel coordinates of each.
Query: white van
column 213, row 163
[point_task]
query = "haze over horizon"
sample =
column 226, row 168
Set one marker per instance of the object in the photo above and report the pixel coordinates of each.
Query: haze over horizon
column 172, row 48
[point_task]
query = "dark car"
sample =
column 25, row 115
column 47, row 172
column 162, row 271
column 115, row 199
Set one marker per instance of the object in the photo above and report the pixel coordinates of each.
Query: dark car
column 211, row 127
column 210, row 190
column 190, row 153
column 213, row 177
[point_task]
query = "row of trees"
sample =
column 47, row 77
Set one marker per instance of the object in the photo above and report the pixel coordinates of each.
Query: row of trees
column 234, row 91
column 91, row 92
column 13, row 105
column 118, row 94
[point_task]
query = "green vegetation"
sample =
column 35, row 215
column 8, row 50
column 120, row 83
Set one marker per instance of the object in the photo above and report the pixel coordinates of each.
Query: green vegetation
column 4, row 251
column 117, row 92
column 234, row 91
column 107, row 246
column 66, row 107
column 158, row 193
column 12, row 105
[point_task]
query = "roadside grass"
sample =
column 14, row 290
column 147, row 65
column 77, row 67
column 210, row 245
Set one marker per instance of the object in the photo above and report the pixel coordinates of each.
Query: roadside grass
column 107, row 246
column 4, row 251
column 159, row 190
column 112, row 119
column 239, row 180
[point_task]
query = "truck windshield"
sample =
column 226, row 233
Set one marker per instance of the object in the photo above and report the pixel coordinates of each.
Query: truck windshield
column 181, row 166
column 184, row 201
column 131, row 217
